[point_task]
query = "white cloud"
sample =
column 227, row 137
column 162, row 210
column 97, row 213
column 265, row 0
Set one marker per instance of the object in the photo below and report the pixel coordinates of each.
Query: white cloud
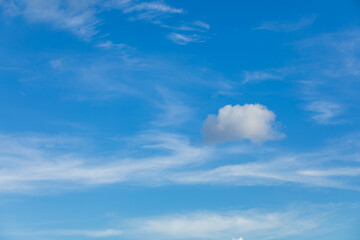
column 325, row 112
column 152, row 12
column 273, row 172
column 260, row 76
column 82, row 17
column 152, row 7
column 87, row 233
column 173, row 114
column 110, row 45
column 233, row 123
column 195, row 26
column 251, row 224
column 30, row 163
column 303, row 221
column 333, row 172
column 201, row 24
column 78, row 17
column 35, row 163
column 289, row 26
column 173, row 111
column 184, row 39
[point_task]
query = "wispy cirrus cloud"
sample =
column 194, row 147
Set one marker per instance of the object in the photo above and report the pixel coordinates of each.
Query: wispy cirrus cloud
column 208, row 225
column 325, row 75
column 82, row 17
column 173, row 111
column 275, row 172
column 264, row 75
column 27, row 166
column 184, row 39
column 303, row 220
column 287, row 26
column 78, row 17
column 35, row 163
column 111, row 45
column 325, row 112
column 83, row 233
column 246, row 224
column 151, row 7
column 197, row 26
column 88, row 233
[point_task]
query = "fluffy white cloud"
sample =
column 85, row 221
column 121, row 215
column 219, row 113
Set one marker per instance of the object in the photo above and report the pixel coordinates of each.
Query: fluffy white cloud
column 250, row 121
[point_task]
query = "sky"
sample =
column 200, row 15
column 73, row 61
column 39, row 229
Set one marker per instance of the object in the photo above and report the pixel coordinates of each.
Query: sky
column 179, row 120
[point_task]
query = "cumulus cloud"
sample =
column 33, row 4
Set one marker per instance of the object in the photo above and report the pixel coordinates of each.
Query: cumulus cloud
column 250, row 121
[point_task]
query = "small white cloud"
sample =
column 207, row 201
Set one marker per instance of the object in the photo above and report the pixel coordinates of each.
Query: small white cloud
column 195, row 26
column 110, row 44
column 183, row 39
column 202, row 24
column 154, row 7
column 325, row 112
column 250, row 121
column 277, row 26
column 260, row 76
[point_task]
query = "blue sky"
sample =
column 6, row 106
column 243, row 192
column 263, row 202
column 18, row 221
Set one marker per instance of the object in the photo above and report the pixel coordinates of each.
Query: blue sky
column 214, row 120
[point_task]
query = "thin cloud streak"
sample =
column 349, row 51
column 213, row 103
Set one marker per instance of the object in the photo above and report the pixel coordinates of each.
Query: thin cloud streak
column 288, row 26
column 89, row 233
column 184, row 39
column 325, row 112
